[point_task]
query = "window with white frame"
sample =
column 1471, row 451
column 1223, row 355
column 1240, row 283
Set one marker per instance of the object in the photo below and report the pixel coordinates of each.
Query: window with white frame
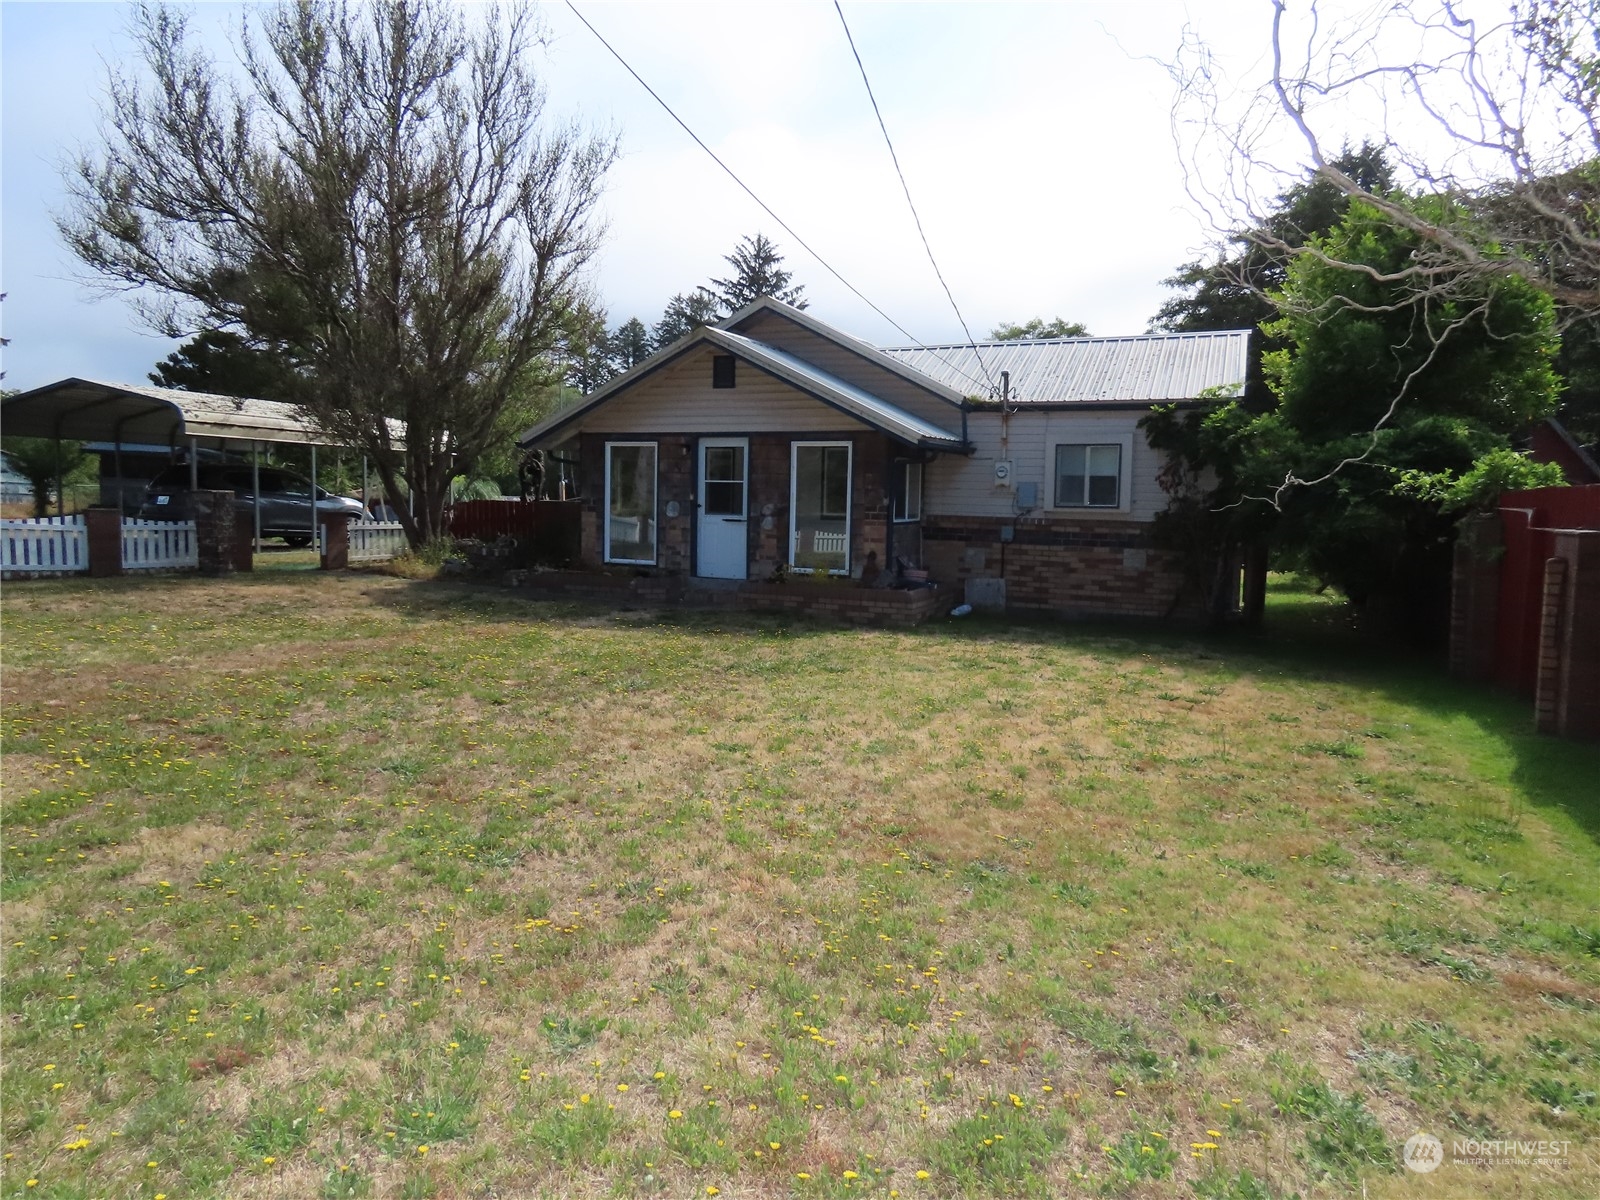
column 907, row 498
column 1088, row 475
column 819, row 522
column 630, row 502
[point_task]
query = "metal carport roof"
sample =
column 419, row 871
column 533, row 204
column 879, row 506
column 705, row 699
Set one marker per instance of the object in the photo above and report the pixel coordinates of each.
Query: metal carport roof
column 88, row 410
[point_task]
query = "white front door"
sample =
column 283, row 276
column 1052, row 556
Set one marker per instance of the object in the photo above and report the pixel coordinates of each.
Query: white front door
column 722, row 537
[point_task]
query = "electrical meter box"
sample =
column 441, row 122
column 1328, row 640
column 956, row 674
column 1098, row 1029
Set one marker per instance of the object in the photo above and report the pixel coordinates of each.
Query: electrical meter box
column 1002, row 473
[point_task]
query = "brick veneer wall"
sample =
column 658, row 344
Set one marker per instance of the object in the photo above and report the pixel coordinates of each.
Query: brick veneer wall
column 1057, row 565
column 678, row 457
column 834, row 601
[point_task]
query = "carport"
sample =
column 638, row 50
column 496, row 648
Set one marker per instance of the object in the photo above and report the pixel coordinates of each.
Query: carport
column 130, row 414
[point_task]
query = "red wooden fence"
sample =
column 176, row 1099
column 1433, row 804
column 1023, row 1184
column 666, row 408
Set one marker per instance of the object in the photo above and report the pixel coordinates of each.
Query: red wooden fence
column 549, row 529
column 1529, row 520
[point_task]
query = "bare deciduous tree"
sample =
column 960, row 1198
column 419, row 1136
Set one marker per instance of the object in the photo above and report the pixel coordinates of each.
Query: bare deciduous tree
column 1492, row 111
column 375, row 195
column 1488, row 118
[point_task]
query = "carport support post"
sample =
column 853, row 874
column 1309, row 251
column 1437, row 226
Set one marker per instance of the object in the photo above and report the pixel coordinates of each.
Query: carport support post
column 316, row 528
column 255, row 489
column 194, row 465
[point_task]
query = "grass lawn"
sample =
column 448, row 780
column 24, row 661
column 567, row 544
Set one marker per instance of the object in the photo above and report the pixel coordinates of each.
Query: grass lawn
column 355, row 886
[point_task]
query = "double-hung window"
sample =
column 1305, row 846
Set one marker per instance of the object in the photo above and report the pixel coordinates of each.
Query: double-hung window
column 631, row 502
column 907, row 498
column 1088, row 475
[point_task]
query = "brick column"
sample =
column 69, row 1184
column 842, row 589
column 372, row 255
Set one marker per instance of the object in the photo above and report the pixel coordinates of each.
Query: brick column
column 335, row 542
column 1577, row 712
column 1547, row 682
column 1475, row 596
column 104, row 526
column 214, row 530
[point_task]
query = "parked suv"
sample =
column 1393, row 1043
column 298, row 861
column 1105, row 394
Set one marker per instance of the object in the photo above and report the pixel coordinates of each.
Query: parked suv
column 285, row 498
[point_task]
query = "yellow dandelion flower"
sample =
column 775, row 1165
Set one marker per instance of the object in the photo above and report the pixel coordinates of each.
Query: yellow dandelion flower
column 922, row 1175
column 674, row 1115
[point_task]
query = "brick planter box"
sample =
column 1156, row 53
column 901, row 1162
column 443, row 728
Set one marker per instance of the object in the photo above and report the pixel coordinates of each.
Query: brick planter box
column 843, row 602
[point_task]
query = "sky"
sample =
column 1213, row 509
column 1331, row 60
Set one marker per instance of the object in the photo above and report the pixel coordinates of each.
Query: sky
column 1036, row 140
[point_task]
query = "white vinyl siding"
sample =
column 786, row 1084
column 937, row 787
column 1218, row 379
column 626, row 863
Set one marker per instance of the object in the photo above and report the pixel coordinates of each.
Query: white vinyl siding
column 680, row 399
column 961, row 486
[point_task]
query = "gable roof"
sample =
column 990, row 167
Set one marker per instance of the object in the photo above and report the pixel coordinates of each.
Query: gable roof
column 812, row 380
column 1142, row 369
column 878, row 358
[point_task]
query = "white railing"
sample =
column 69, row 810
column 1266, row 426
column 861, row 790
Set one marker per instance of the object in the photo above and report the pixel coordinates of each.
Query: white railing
column 159, row 545
column 374, row 541
column 46, row 545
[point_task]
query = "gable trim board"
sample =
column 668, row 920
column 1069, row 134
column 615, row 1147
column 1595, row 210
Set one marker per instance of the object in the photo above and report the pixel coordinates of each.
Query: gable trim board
column 815, row 383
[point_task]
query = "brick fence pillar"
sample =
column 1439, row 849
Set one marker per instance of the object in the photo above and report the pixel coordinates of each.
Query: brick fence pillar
column 1475, row 596
column 1577, row 713
column 104, row 525
column 335, row 542
column 1547, row 682
column 214, row 531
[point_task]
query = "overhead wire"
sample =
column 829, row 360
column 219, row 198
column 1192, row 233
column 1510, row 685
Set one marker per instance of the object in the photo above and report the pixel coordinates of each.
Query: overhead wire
column 765, row 207
column 906, row 188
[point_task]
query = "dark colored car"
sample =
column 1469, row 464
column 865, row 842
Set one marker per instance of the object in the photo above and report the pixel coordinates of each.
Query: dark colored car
column 285, row 498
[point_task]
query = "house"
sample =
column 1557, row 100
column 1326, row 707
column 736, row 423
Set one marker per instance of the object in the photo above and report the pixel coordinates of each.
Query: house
column 773, row 446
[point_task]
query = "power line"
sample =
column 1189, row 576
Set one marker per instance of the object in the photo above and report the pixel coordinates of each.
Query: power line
column 905, row 187
column 765, row 207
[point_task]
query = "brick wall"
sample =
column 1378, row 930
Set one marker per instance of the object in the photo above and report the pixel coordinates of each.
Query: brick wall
column 768, row 529
column 1066, row 567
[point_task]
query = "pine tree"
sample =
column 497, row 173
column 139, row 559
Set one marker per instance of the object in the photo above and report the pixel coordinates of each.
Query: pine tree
column 685, row 312
column 630, row 345
column 758, row 272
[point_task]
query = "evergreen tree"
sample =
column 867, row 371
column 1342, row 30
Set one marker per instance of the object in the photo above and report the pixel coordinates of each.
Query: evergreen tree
column 630, row 345
column 685, row 312
column 223, row 363
column 758, row 271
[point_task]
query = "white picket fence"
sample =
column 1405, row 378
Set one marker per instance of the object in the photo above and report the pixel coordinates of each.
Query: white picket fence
column 374, row 541
column 44, row 546
column 159, row 546
column 60, row 546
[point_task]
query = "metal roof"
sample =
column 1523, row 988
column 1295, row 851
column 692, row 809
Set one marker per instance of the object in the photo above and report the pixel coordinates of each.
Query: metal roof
column 1144, row 369
column 814, row 381
column 843, row 395
column 88, row 410
column 767, row 304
